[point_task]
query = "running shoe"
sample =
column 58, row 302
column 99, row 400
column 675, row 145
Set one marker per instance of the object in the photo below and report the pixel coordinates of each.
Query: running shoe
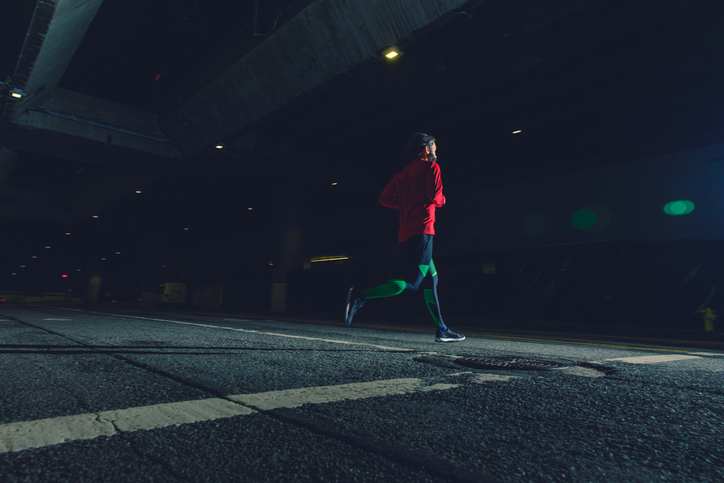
column 448, row 336
column 353, row 305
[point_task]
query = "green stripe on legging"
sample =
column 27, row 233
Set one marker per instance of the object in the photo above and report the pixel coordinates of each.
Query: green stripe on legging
column 430, row 303
column 424, row 269
column 390, row 289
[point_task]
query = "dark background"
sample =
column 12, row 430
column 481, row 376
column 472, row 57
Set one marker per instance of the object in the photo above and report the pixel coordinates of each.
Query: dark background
column 593, row 85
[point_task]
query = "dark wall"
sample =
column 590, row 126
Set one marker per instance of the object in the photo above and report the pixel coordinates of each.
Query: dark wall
column 644, row 284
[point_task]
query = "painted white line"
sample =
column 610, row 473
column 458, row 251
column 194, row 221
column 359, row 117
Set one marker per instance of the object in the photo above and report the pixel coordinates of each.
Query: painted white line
column 259, row 332
column 58, row 319
column 162, row 415
column 708, row 354
column 292, row 398
column 654, row 359
column 482, row 378
column 45, row 432
column 584, row 372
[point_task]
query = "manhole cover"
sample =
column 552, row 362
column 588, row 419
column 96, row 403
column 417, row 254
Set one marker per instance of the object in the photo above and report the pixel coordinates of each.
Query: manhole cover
column 512, row 363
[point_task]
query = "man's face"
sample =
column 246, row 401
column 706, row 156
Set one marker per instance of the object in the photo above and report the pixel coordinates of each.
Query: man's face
column 431, row 152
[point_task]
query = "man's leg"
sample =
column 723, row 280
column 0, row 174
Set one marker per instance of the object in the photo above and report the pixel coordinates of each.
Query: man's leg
column 355, row 299
column 431, row 300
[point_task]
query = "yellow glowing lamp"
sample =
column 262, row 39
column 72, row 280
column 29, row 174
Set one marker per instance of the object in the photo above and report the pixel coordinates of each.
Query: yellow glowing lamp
column 329, row 259
column 392, row 52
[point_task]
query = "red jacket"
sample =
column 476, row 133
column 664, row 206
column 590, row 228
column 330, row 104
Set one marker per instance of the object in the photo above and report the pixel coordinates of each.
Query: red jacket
column 415, row 191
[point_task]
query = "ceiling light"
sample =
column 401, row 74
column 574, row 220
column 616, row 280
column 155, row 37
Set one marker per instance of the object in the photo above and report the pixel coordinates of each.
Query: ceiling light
column 335, row 183
column 95, row 216
column 68, row 233
column 138, row 192
column 17, row 93
column 518, row 131
column 392, row 52
column 220, row 146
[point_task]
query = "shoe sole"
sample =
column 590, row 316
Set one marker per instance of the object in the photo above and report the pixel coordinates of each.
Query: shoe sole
column 437, row 339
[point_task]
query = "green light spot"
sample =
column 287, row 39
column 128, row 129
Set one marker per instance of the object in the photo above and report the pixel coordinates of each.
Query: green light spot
column 678, row 208
column 583, row 219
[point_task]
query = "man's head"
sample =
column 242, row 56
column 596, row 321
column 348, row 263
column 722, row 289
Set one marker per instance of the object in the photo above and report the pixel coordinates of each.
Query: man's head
column 421, row 146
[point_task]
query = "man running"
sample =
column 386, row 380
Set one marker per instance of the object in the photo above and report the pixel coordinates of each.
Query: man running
column 415, row 192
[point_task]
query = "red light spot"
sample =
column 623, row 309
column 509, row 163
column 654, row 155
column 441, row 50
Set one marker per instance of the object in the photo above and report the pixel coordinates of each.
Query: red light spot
column 64, row 276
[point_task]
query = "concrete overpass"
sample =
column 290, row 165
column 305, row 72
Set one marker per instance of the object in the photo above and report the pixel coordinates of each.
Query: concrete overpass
column 299, row 94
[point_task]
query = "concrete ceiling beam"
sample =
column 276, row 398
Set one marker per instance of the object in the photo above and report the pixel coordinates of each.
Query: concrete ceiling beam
column 64, row 146
column 56, row 31
column 93, row 119
column 325, row 39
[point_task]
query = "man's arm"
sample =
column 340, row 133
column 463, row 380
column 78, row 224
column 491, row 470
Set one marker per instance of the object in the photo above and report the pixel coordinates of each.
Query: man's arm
column 434, row 186
column 388, row 197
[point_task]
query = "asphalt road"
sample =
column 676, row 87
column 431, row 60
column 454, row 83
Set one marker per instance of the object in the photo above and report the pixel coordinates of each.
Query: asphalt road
column 148, row 396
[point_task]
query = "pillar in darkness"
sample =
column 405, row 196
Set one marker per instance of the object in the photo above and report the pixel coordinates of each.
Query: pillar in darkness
column 288, row 218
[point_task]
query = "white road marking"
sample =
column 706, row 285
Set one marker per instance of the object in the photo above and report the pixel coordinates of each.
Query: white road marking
column 584, row 372
column 654, row 358
column 292, row 398
column 45, row 432
column 482, row 378
column 715, row 354
column 170, row 414
column 58, row 319
column 259, row 332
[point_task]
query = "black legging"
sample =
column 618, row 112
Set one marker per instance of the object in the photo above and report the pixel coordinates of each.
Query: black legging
column 418, row 251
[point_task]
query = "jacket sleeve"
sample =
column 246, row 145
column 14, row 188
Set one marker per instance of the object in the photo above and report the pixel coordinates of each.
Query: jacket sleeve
column 388, row 197
column 434, row 186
